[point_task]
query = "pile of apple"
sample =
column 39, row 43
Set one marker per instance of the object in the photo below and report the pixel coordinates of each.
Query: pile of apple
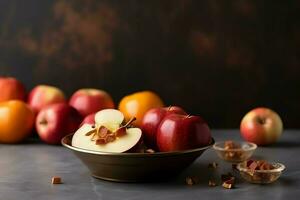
column 163, row 129
column 46, row 110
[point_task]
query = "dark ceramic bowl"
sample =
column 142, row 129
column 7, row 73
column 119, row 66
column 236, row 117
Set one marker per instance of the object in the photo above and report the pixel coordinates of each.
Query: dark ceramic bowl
column 135, row 167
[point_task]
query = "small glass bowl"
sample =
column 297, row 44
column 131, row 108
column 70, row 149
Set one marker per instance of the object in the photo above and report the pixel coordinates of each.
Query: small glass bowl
column 261, row 176
column 235, row 155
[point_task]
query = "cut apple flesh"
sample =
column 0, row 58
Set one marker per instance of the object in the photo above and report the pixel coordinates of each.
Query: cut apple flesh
column 110, row 118
column 121, row 144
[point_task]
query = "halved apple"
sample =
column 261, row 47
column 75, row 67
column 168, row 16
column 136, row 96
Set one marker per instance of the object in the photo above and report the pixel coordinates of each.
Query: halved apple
column 110, row 119
column 121, row 144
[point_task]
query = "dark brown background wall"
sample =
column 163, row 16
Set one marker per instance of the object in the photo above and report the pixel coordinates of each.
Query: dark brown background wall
column 215, row 58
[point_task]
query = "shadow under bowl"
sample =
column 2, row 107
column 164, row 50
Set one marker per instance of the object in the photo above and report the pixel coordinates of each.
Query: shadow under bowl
column 135, row 167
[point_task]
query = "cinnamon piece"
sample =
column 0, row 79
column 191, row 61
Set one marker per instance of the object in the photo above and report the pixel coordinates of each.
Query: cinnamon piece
column 253, row 167
column 103, row 135
column 191, row 180
column 110, row 138
column 100, row 141
column 212, row 183
column 227, row 185
column 103, row 132
column 56, row 180
column 90, row 132
column 233, row 155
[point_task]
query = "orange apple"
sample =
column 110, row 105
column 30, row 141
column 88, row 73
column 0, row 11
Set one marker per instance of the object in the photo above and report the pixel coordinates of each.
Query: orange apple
column 44, row 95
column 16, row 121
column 11, row 89
column 261, row 126
column 90, row 100
column 137, row 104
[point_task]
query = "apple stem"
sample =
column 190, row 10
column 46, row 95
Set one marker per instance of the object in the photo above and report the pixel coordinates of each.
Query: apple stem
column 130, row 121
column 43, row 122
column 188, row 116
column 261, row 121
column 169, row 108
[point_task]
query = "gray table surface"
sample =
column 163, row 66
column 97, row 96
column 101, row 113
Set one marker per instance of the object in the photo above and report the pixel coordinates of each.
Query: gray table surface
column 26, row 171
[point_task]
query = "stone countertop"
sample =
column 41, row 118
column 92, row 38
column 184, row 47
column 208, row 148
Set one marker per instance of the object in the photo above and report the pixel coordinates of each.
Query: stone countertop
column 26, row 171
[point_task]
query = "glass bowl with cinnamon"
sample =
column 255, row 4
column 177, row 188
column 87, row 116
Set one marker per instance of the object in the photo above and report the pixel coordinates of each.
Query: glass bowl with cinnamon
column 260, row 171
column 234, row 151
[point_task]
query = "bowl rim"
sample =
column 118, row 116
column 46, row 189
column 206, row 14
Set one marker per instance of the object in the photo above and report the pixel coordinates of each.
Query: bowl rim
column 170, row 153
column 252, row 147
column 280, row 168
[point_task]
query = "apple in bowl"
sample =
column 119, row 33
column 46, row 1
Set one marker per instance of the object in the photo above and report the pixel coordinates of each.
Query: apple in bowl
column 182, row 132
column 152, row 119
column 173, row 132
column 107, row 149
column 172, row 129
column 109, row 134
column 261, row 126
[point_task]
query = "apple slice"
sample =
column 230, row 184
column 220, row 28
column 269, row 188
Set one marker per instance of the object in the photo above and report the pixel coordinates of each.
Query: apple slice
column 110, row 118
column 121, row 144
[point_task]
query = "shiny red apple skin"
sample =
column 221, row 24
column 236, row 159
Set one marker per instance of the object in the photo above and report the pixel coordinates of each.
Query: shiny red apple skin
column 89, row 100
column 90, row 119
column 56, row 121
column 11, row 89
column 151, row 121
column 42, row 96
column 182, row 132
column 261, row 126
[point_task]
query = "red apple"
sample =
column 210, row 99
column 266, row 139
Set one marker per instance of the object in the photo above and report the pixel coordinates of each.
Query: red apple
column 11, row 89
column 44, row 95
column 151, row 121
column 88, row 101
column 90, row 119
column 181, row 132
column 261, row 126
column 57, row 120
